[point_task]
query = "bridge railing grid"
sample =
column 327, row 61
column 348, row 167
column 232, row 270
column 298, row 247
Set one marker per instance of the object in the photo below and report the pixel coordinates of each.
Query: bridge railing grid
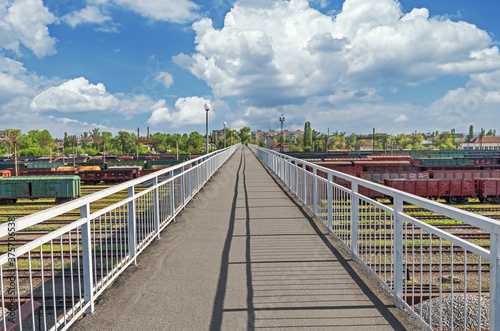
column 54, row 279
column 437, row 276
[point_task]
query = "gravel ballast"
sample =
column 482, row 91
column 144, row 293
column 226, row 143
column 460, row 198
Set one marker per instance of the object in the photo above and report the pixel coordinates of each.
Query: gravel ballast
column 472, row 314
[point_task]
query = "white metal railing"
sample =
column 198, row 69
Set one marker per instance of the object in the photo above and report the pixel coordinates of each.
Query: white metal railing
column 446, row 282
column 54, row 279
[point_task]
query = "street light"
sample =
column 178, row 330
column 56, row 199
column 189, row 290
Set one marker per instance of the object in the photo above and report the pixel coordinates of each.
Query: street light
column 224, row 134
column 207, row 108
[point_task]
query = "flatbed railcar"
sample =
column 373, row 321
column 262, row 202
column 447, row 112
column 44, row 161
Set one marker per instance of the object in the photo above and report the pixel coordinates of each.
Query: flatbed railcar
column 62, row 188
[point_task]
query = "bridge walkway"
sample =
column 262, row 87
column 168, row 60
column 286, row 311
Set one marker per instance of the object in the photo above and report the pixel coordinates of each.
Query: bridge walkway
column 244, row 255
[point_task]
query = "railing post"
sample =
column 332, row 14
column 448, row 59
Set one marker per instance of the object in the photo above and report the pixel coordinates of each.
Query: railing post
column 304, row 181
column 315, row 191
column 398, row 253
column 289, row 173
column 191, row 180
column 87, row 259
column 354, row 220
column 494, row 281
column 296, row 190
column 156, row 206
column 197, row 179
column 172, row 190
column 206, row 170
column 330, row 202
column 282, row 169
column 132, row 228
column 182, row 186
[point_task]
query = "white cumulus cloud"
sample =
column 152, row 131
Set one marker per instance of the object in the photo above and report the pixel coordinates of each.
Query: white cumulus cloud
column 76, row 95
column 401, row 118
column 477, row 102
column 188, row 111
column 24, row 23
column 80, row 96
column 283, row 52
column 164, row 78
column 177, row 11
column 90, row 14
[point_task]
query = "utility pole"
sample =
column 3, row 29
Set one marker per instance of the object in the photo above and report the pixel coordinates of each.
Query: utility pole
column 11, row 137
column 73, row 141
column 146, row 140
column 282, row 120
column 373, row 141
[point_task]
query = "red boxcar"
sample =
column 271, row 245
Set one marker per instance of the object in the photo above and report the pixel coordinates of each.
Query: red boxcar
column 488, row 189
column 463, row 174
column 453, row 190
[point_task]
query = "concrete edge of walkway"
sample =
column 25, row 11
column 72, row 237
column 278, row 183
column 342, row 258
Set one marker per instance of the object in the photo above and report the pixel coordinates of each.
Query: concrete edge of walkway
column 365, row 279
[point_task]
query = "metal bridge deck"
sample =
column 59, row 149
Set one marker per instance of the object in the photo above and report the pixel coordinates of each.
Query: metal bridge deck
column 245, row 255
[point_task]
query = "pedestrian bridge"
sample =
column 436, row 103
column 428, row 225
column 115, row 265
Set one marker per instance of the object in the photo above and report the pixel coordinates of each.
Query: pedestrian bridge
column 249, row 239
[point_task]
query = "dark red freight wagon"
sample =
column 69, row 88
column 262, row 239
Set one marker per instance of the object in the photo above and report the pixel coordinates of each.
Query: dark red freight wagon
column 488, row 189
column 452, row 190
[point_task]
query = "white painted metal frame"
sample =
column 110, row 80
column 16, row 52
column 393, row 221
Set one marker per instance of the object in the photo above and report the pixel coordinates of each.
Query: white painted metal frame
column 83, row 258
column 390, row 243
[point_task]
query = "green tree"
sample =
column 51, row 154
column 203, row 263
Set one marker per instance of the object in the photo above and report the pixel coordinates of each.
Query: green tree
column 244, row 134
column 471, row 133
column 307, row 135
column 126, row 142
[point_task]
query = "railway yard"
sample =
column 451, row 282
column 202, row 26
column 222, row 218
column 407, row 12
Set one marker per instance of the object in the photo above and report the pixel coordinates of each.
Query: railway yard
column 432, row 265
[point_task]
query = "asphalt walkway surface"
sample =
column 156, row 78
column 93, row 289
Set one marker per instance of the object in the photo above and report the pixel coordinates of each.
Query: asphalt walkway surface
column 244, row 255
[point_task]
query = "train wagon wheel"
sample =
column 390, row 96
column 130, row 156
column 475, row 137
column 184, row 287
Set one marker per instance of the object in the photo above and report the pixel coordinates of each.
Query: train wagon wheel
column 491, row 199
column 62, row 200
column 464, row 200
column 481, row 199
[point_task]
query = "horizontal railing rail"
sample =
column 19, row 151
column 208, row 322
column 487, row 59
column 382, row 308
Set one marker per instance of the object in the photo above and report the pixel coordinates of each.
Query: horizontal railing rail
column 445, row 281
column 58, row 276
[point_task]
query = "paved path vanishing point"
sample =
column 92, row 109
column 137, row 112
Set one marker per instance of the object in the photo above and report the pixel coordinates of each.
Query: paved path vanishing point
column 244, row 255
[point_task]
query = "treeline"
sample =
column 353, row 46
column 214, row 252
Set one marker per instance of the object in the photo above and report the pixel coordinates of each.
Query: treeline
column 41, row 143
column 314, row 140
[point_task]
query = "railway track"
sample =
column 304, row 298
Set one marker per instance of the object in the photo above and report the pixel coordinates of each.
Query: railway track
column 472, row 210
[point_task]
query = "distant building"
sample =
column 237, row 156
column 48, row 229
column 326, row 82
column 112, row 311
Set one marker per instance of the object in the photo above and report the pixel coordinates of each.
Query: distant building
column 259, row 135
column 427, row 143
column 59, row 143
column 218, row 134
column 484, row 143
column 277, row 148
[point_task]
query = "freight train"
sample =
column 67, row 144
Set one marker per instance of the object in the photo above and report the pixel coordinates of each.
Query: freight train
column 452, row 190
column 62, row 188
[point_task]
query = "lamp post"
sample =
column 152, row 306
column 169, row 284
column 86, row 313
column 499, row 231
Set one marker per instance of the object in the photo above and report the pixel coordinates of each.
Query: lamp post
column 282, row 119
column 225, row 135
column 207, row 108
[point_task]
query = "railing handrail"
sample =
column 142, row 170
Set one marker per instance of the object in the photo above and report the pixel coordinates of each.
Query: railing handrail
column 35, row 218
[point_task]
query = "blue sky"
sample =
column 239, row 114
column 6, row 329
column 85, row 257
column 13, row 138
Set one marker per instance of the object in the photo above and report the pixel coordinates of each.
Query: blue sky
column 71, row 66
